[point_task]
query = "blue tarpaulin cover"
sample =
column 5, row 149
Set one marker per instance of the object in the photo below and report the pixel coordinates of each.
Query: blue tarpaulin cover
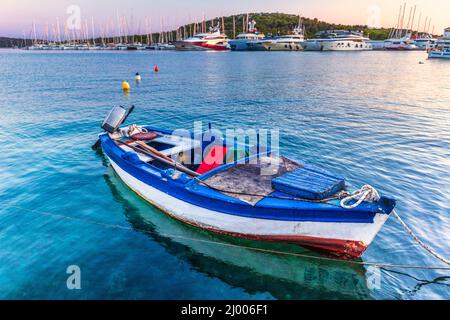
column 309, row 182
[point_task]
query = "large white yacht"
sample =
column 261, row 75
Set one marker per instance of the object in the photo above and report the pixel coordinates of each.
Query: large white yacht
column 441, row 49
column 424, row 41
column 242, row 40
column 403, row 43
column 213, row 40
column 290, row 42
column 338, row 40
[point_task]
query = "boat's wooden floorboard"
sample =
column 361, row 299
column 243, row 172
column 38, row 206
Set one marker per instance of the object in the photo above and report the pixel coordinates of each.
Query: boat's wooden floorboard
column 252, row 178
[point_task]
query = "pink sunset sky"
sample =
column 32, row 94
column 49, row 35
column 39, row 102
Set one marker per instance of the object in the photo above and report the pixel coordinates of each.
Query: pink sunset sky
column 17, row 16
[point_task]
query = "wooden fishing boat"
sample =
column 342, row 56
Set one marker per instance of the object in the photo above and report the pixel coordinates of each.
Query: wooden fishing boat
column 296, row 203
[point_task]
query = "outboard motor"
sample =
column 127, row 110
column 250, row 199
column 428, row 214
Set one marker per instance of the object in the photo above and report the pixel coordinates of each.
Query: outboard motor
column 115, row 118
column 112, row 122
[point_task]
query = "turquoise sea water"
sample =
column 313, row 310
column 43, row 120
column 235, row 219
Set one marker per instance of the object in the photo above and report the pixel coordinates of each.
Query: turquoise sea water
column 376, row 117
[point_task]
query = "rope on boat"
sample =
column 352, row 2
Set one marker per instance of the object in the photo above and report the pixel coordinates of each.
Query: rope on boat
column 366, row 194
column 107, row 225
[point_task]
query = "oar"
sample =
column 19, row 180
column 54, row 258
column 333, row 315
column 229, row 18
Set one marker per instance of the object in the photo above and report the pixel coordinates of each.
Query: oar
column 158, row 156
column 153, row 150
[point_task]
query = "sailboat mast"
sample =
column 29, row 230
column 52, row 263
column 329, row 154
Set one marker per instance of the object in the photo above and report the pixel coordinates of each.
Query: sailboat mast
column 150, row 31
column 204, row 24
column 413, row 19
column 402, row 21
column 58, row 31
column 234, row 27
column 418, row 25
column 46, row 33
column 131, row 29
column 93, row 30
column 118, row 27
column 53, row 33
column 394, row 30
column 409, row 21
column 87, row 32
column 223, row 24
column 146, row 30
column 34, row 33
column 246, row 30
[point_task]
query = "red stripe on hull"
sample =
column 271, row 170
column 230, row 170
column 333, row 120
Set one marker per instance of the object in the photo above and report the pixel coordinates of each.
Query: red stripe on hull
column 215, row 47
column 346, row 249
column 184, row 45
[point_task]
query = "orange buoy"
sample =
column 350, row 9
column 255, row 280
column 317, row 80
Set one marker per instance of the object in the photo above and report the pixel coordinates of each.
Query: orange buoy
column 156, row 68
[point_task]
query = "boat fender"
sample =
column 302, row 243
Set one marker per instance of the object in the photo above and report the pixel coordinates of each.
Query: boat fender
column 156, row 69
column 131, row 157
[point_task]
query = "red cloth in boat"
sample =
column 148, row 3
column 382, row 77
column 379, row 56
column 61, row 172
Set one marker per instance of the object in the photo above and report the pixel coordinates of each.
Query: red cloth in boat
column 213, row 160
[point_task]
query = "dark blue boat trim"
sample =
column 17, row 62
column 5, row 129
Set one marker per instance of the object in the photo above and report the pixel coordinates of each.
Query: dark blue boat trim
column 198, row 195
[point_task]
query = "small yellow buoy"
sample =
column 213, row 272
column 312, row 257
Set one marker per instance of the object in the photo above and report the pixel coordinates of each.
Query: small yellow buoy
column 125, row 86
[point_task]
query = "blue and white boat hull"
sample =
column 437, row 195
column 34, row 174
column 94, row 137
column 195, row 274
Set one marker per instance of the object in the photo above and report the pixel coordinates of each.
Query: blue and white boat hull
column 239, row 44
column 347, row 233
column 350, row 239
column 439, row 54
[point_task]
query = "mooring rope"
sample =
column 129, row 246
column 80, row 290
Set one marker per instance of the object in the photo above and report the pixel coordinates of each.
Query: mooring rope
column 107, row 225
column 420, row 242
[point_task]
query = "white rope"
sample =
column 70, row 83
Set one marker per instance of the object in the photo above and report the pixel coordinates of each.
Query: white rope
column 366, row 193
column 134, row 129
column 369, row 194
column 423, row 245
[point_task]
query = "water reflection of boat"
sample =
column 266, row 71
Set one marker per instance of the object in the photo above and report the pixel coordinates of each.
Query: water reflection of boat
column 283, row 276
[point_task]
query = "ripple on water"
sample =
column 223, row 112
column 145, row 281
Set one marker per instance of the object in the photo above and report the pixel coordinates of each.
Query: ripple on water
column 346, row 112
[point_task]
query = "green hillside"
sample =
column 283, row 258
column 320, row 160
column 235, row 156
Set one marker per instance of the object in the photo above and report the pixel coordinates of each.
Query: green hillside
column 11, row 42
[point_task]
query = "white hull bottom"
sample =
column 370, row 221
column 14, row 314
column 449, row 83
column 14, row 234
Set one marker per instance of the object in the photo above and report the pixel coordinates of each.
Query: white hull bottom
column 348, row 239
